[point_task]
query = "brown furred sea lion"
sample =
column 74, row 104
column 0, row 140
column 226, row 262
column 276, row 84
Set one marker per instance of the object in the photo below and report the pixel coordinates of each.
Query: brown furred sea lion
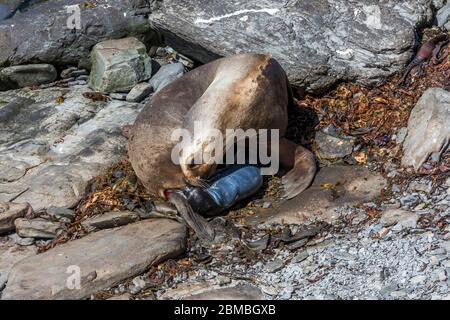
column 242, row 91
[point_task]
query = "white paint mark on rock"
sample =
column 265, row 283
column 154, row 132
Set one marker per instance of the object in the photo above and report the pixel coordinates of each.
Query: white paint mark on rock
column 236, row 13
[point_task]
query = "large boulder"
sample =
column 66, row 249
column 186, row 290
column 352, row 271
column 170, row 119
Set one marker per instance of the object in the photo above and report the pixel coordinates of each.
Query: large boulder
column 54, row 141
column 428, row 127
column 118, row 65
column 317, row 42
column 79, row 268
column 45, row 31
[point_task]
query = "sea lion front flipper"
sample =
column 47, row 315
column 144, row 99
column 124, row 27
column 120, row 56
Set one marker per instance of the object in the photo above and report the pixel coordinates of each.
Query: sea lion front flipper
column 200, row 226
column 303, row 168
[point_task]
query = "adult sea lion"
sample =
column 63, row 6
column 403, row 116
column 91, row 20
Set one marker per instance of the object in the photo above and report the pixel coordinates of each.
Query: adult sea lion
column 242, row 91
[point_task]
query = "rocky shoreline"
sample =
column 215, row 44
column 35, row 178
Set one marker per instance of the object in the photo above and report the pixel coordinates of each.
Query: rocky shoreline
column 374, row 224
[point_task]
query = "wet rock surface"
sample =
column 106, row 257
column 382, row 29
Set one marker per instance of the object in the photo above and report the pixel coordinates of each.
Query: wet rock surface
column 140, row 245
column 316, row 44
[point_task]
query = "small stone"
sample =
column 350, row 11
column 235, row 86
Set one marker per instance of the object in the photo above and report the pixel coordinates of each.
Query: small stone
column 300, row 256
column 60, row 212
column 441, row 275
column 266, row 205
column 419, row 279
column 271, row 291
column 395, row 188
column 274, row 266
column 82, row 78
column 417, row 186
column 298, row 244
column 222, row 280
column 118, row 96
column 79, row 73
column 139, row 92
column 398, row 294
column 67, row 73
column 404, row 218
column 383, row 232
column 434, row 260
column 342, row 255
column 21, row 241
column 110, row 219
column 139, row 283
column 165, row 75
column 332, row 147
column 37, row 228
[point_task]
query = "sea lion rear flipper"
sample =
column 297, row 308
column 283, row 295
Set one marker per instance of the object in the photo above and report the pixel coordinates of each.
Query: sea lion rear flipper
column 303, row 168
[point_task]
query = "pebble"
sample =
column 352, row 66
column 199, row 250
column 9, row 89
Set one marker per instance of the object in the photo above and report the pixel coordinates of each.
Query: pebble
column 269, row 290
column 21, row 241
column 139, row 92
column 274, row 265
column 419, row 279
column 118, row 96
column 60, row 212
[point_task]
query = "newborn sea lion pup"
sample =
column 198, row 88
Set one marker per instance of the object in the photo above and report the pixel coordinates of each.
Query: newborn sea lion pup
column 247, row 91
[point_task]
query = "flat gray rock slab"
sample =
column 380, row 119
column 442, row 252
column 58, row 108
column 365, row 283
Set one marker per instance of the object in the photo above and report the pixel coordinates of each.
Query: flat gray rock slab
column 317, row 42
column 353, row 185
column 50, row 150
column 101, row 260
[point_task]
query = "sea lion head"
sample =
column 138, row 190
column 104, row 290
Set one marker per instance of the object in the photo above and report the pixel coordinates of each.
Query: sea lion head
column 198, row 158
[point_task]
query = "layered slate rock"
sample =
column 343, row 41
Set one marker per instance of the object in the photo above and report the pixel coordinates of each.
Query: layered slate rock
column 118, row 65
column 9, row 212
column 27, row 75
column 428, row 127
column 54, row 141
column 333, row 187
column 102, row 259
column 48, row 30
column 37, row 228
column 317, row 42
